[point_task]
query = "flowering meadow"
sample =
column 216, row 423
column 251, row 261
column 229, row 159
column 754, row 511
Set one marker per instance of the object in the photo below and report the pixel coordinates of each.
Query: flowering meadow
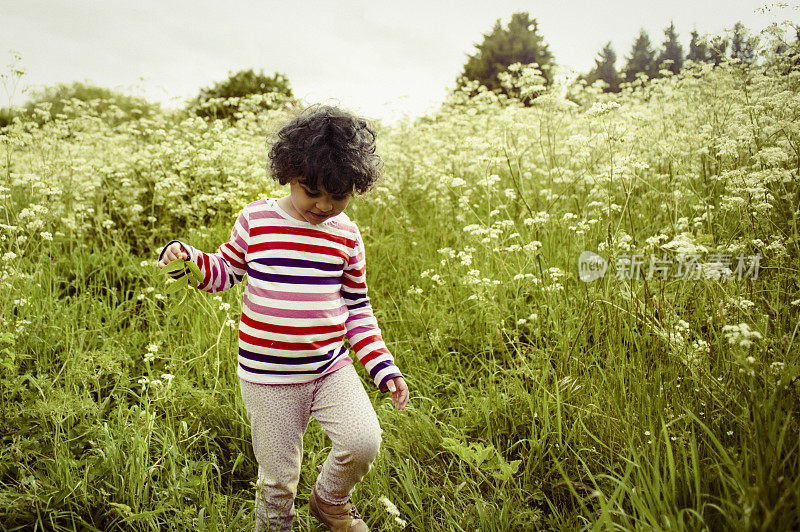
column 661, row 394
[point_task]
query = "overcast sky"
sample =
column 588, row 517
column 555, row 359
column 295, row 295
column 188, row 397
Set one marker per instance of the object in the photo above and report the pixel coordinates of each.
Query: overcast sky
column 375, row 57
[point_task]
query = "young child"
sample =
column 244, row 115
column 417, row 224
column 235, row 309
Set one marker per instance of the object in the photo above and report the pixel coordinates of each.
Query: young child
column 306, row 291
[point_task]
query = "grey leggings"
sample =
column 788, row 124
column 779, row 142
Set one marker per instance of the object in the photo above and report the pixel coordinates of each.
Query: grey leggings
column 279, row 415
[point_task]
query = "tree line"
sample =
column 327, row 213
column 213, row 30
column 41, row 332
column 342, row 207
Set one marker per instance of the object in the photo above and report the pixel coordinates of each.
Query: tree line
column 220, row 100
column 520, row 41
column 645, row 59
column 517, row 42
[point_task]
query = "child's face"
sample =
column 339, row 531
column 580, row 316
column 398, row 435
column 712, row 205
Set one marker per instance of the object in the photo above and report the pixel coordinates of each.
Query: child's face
column 315, row 205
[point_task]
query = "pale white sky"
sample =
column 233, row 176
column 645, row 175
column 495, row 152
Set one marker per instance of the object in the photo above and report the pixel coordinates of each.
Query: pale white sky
column 378, row 58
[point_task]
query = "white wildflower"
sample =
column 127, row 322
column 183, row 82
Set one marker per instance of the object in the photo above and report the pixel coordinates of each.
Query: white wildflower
column 391, row 509
column 656, row 240
column 533, row 246
column 741, row 303
column 599, row 109
column 540, row 218
column 35, row 225
column 740, row 334
column 684, row 244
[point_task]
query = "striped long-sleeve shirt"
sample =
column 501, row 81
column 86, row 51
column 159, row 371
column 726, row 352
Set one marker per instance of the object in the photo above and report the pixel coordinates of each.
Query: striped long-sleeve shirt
column 305, row 292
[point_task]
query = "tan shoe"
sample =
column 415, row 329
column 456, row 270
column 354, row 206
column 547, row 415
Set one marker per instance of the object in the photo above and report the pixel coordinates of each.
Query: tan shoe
column 338, row 517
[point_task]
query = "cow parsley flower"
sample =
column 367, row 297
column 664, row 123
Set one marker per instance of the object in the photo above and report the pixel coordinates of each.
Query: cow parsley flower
column 600, row 109
column 740, row 334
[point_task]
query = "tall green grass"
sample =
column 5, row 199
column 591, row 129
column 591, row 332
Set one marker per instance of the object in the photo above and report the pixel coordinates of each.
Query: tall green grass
column 538, row 401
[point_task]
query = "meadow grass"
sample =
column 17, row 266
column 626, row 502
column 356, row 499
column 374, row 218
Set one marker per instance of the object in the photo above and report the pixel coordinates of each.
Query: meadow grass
column 538, row 401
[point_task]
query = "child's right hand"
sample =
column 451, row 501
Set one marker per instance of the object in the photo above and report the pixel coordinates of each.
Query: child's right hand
column 174, row 252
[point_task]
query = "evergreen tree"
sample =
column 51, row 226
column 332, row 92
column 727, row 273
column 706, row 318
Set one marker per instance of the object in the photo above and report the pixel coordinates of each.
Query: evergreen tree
column 604, row 69
column 519, row 42
column 717, row 48
column 673, row 51
column 743, row 45
column 698, row 51
column 642, row 59
column 794, row 49
column 789, row 53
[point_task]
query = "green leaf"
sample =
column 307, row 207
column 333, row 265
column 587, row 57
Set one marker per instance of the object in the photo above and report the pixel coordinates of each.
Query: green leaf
column 459, row 449
column 482, row 453
column 196, row 276
column 175, row 266
column 194, row 268
column 176, row 286
column 123, row 509
column 506, row 470
column 176, row 308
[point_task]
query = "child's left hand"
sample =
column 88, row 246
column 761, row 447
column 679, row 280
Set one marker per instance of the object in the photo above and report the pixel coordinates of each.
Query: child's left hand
column 399, row 390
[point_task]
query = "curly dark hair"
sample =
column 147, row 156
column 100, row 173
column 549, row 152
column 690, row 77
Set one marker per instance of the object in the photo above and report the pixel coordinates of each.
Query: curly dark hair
column 324, row 145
